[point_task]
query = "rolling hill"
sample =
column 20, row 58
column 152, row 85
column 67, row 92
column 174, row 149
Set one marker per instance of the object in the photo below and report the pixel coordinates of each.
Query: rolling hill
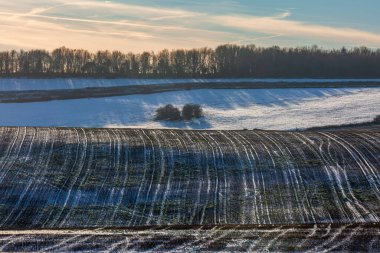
column 77, row 189
column 89, row 178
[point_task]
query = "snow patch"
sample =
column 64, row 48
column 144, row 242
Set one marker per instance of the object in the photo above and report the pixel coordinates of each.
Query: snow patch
column 277, row 109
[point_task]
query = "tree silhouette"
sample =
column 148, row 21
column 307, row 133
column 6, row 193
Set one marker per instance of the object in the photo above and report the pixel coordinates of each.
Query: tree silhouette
column 224, row 61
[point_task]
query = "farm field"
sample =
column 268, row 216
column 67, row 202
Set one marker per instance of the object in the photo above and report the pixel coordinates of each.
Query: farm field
column 233, row 238
column 25, row 84
column 224, row 109
column 137, row 185
column 74, row 189
column 76, row 177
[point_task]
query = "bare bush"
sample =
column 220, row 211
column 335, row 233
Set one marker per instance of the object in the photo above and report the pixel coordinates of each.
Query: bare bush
column 190, row 111
column 168, row 112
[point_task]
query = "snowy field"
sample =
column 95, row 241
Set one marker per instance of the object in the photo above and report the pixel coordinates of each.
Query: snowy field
column 276, row 109
column 14, row 84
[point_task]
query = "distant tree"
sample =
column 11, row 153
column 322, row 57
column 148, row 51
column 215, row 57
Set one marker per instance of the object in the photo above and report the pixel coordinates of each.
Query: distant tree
column 163, row 64
column 190, row 111
column 168, row 112
column 377, row 119
column 145, row 63
column 117, row 59
column 178, row 62
column 59, row 60
column 103, row 61
column 134, row 65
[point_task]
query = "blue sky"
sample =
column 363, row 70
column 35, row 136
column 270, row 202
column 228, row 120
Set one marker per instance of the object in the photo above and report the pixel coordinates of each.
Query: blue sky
column 139, row 25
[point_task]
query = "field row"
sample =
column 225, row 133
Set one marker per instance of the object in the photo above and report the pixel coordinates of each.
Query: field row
column 306, row 238
column 84, row 178
column 25, row 84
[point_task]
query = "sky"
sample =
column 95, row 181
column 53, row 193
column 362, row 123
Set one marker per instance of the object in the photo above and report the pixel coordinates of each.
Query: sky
column 144, row 25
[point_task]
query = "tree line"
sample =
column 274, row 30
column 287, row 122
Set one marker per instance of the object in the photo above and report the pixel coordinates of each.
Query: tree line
column 223, row 61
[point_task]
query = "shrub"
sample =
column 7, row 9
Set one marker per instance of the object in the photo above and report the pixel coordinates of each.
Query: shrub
column 168, row 112
column 190, row 111
column 377, row 119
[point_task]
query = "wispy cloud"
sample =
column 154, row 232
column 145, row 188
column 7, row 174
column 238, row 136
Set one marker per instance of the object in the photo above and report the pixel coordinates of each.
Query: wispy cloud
column 278, row 25
column 99, row 25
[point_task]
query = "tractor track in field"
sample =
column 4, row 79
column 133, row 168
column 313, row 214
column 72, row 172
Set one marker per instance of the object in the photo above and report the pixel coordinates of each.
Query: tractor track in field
column 76, row 189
